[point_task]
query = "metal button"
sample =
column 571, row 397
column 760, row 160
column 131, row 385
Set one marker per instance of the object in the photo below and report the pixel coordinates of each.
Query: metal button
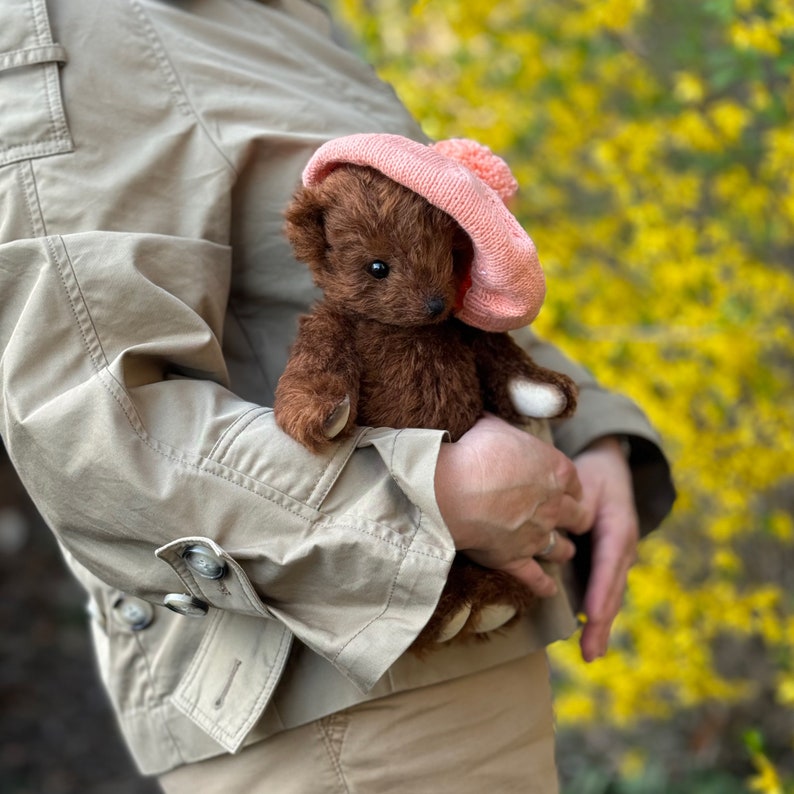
column 186, row 605
column 204, row 562
column 133, row 613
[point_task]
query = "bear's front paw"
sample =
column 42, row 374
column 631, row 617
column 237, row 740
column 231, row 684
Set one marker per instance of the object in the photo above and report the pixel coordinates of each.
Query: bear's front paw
column 542, row 400
column 313, row 420
column 337, row 420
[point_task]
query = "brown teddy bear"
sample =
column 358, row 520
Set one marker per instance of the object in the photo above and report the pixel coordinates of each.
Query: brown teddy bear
column 423, row 269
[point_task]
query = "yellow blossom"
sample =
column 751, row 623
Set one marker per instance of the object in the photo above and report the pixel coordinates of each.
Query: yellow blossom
column 689, row 88
column 632, row 764
column 755, row 34
column 785, row 689
column 766, row 779
column 664, row 225
column 730, row 118
column 781, row 525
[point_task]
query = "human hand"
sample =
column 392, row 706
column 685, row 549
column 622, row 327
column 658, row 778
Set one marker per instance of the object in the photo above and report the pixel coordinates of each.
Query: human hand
column 608, row 501
column 502, row 492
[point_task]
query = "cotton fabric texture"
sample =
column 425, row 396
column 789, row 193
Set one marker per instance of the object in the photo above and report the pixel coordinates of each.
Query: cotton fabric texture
column 489, row 731
column 148, row 297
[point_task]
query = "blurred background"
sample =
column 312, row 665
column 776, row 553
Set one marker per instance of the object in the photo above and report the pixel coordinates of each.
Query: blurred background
column 653, row 141
column 654, row 146
column 57, row 733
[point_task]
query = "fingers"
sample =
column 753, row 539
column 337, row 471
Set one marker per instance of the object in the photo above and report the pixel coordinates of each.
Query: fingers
column 549, row 547
column 606, row 479
column 613, row 557
column 602, row 603
column 574, row 515
column 595, row 639
column 530, row 573
column 559, row 551
column 601, row 608
column 567, row 476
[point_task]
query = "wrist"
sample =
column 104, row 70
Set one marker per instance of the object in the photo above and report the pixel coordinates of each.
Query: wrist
column 615, row 442
column 448, row 493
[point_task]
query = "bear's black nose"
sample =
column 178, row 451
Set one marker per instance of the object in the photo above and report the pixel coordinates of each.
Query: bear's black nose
column 435, row 306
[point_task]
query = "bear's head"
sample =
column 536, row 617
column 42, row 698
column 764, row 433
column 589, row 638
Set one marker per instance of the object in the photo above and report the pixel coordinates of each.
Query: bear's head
column 378, row 250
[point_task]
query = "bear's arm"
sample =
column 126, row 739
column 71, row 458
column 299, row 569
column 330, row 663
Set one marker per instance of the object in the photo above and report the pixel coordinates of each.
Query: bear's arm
column 321, row 378
column 514, row 386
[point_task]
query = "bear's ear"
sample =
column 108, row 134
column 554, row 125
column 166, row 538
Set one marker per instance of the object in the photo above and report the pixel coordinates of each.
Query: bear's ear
column 306, row 227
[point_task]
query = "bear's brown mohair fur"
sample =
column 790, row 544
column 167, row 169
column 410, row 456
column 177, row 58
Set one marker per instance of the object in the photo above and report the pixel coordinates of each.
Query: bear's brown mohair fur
column 392, row 269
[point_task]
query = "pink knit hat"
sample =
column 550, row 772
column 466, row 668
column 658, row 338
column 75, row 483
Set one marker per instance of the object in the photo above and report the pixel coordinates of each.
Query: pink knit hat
column 470, row 183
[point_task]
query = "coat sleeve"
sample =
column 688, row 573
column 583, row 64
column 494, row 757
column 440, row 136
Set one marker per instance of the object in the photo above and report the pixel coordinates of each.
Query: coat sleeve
column 114, row 409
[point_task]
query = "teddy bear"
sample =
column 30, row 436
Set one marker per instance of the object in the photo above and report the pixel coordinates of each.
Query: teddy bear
column 423, row 270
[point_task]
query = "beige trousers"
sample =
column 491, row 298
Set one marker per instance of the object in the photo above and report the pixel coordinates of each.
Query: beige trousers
column 487, row 733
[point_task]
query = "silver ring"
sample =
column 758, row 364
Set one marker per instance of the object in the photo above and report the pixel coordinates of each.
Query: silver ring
column 541, row 555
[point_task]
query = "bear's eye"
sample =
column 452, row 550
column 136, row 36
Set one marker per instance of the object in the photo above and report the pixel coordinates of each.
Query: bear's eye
column 378, row 269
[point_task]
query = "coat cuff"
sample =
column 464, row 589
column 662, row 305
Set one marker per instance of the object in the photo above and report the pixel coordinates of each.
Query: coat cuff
column 410, row 456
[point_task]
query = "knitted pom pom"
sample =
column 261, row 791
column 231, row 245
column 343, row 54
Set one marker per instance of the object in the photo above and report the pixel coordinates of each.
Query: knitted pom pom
column 480, row 160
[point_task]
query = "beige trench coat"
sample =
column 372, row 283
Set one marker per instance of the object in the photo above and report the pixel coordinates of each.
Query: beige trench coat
column 147, row 301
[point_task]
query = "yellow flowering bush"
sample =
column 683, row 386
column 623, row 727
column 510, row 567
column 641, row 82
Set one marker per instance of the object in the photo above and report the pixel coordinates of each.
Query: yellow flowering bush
column 654, row 143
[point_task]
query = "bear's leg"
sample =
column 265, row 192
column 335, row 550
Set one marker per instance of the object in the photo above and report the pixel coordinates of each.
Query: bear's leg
column 475, row 601
column 496, row 598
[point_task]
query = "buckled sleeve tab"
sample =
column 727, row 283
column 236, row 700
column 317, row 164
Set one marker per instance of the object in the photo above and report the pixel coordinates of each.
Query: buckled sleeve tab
column 212, row 576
